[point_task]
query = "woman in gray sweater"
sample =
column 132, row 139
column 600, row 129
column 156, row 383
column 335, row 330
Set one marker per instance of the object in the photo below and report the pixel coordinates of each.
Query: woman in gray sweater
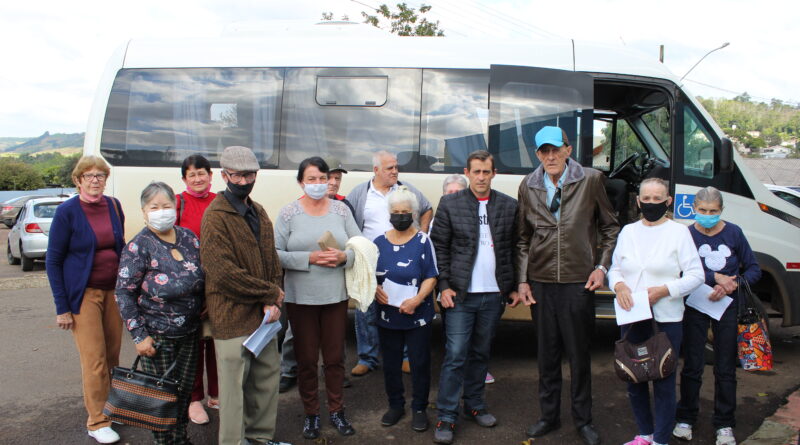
column 316, row 298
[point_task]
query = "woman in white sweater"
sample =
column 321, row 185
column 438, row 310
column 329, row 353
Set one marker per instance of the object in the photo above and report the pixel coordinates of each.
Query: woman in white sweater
column 658, row 256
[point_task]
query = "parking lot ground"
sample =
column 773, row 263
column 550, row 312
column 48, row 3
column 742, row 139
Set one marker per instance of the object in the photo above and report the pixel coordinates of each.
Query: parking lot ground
column 41, row 389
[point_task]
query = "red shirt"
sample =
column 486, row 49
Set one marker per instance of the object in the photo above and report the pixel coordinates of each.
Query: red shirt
column 106, row 261
column 192, row 215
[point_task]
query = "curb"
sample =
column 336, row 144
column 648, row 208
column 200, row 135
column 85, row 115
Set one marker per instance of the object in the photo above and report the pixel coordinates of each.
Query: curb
column 782, row 428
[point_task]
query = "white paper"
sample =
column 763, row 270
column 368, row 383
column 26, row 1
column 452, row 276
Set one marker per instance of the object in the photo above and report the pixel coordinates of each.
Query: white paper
column 261, row 337
column 398, row 293
column 640, row 310
column 698, row 299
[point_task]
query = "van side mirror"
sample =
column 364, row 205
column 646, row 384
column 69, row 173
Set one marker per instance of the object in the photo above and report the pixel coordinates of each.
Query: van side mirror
column 726, row 156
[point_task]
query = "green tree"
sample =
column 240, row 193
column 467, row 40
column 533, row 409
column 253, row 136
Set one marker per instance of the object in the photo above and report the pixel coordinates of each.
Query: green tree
column 64, row 178
column 406, row 21
column 16, row 175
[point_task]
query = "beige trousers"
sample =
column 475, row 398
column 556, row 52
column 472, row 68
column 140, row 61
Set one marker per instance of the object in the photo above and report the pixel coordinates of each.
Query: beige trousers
column 97, row 331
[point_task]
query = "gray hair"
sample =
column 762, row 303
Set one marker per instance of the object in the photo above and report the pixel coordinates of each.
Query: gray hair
column 710, row 195
column 404, row 195
column 376, row 158
column 153, row 189
column 658, row 181
column 454, row 178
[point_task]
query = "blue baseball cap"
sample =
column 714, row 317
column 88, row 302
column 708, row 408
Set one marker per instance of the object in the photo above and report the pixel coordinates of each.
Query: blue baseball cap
column 549, row 135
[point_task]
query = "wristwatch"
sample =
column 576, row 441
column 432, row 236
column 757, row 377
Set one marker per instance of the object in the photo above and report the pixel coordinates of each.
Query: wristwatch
column 601, row 267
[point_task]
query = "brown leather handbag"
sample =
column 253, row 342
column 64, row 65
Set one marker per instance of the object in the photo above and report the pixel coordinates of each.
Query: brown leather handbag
column 653, row 359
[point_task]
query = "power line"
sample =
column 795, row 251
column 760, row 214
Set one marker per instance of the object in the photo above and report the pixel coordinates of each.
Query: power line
column 759, row 98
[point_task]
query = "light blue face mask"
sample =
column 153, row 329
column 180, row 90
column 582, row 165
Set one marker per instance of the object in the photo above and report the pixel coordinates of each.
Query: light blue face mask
column 707, row 221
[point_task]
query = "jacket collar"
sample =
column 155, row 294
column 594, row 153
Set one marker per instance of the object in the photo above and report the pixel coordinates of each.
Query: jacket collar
column 574, row 174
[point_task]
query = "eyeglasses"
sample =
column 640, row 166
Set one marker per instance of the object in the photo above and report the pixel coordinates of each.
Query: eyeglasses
column 237, row 176
column 555, row 204
column 101, row 177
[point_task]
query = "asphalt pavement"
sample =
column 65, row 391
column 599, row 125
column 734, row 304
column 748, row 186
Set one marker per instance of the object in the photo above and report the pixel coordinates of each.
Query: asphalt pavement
column 41, row 401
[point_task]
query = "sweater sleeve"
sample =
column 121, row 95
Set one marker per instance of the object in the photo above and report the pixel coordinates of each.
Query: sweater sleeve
column 692, row 268
column 615, row 271
column 751, row 271
column 132, row 269
column 294, row 260
column 57, row 247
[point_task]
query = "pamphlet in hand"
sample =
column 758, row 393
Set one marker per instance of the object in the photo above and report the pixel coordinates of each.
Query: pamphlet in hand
column 699, row 300
column 256, row 342
column 398, row 293
column 640, row 310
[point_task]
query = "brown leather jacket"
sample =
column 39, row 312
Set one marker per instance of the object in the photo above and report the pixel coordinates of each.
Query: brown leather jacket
column 568, row 250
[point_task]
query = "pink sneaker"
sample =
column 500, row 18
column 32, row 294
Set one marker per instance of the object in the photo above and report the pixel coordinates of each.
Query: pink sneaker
column 489, row 377
column 639, row 440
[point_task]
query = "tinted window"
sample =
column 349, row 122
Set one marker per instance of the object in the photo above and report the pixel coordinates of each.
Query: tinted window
column 698, row 155
column 157, row 117
column 455, row 114
column 350, row 133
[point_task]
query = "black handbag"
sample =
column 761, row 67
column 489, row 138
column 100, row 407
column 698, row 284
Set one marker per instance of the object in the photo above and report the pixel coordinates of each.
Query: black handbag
column 653, row 359
column 143, row 400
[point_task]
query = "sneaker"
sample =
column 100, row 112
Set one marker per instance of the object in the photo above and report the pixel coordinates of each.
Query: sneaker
column 406, row 367
column 198, row 414
column 640, row 440
column 725, row 437
column 419, row 421
column 443, row 433
column 360, row 369
column 311, row 426
column 682, row 431
column 341, row 423
column 286, row 383
column 481, row 417
column 392, row 416
column 489, row 378
column 104, row 435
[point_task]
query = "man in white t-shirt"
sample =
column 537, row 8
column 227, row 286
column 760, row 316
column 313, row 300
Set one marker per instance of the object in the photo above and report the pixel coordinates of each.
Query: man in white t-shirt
column 473, row 235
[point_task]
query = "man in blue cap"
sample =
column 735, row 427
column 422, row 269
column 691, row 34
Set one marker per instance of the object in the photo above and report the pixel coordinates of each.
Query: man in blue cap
column 566, row 234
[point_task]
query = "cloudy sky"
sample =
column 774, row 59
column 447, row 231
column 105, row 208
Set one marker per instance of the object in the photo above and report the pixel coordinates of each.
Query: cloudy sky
column 53, row 52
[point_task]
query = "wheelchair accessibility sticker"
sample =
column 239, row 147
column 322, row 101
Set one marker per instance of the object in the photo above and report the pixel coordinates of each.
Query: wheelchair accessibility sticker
column 684, row 208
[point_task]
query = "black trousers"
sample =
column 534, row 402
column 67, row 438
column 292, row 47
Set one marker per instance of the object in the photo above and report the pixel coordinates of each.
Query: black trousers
column 393, row 343
column 564, row 317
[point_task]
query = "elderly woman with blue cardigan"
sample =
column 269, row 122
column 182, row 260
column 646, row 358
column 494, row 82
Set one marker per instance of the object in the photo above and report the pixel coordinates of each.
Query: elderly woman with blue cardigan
column 85, row 242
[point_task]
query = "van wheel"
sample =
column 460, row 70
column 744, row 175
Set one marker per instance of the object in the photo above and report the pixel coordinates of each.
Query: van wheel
column 11, row 260
column 27, row 263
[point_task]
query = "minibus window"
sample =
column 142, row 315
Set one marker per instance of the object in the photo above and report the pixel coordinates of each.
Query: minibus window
column 352, row 91
column 698, row 159
column 657, row 121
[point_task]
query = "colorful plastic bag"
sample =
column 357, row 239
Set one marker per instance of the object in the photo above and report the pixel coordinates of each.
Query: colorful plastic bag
column 755, row 350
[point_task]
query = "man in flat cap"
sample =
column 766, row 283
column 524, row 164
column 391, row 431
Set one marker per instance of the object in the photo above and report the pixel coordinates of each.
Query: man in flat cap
column 243, row 277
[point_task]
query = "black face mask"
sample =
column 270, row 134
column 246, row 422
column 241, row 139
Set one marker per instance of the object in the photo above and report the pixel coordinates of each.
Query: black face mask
column 401, row 221
column 240, row 191
column 653, row 211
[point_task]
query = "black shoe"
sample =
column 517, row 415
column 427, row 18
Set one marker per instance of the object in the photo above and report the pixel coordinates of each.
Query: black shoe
column 286, row 383
column 541, row 428
column 311, row 426
column 346, row 383
column 342, row 424
column 419, row 421
column 392, row 416
column 481, row 416
column 443, row 433
column 589, row 434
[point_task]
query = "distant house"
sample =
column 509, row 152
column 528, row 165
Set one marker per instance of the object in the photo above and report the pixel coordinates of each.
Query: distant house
column 776, row 152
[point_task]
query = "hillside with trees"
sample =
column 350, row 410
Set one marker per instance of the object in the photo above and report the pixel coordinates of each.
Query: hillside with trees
column 46, row 142
column 757, row 125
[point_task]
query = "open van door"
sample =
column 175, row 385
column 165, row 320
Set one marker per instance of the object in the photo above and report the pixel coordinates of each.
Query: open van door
column 522, row 100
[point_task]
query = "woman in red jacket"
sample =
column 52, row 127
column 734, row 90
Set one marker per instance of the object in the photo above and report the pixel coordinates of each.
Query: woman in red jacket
column 192, row 203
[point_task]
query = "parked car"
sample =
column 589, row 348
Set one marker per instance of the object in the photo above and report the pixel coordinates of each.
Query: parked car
column 787, row 193
column 10, row 209
column 27, row 240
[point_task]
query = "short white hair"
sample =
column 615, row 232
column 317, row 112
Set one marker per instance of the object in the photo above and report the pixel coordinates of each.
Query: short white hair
column 404, row 196
column 462, row 181
column 376, row 158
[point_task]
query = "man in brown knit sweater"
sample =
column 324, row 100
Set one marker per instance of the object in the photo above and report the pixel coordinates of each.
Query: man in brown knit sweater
column 242, row 284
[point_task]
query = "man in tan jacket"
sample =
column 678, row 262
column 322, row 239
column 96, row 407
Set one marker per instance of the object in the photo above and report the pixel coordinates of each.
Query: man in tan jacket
column 243, row 276
column 560, row 262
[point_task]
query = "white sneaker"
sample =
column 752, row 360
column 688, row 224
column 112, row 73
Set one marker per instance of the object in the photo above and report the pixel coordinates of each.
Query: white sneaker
column 104, row 435
column 725, row 436
column 683, row 431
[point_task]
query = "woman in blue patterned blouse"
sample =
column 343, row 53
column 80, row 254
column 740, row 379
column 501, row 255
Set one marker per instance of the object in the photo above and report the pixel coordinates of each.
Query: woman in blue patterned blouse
column 406, row 267
column 160, row 295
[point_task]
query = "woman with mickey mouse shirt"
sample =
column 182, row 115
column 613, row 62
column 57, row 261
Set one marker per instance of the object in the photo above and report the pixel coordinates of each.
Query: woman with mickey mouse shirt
column 726, row 258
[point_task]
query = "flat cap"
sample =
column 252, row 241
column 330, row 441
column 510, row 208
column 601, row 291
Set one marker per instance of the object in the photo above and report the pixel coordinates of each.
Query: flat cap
column 335, row 165
column 238, row 158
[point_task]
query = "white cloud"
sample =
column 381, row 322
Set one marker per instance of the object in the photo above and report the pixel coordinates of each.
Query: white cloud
column 54, row 52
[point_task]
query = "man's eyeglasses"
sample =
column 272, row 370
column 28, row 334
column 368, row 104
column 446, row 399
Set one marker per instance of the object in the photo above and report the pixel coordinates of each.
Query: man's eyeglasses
column 89, row 177
column 238, row 176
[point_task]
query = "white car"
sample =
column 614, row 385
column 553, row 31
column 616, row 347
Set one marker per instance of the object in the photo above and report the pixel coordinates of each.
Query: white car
column 27, row 240
column 789, row 193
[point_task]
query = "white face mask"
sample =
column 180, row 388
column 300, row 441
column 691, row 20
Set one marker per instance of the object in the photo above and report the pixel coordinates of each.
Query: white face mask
column 161, row 220
column 316, row 191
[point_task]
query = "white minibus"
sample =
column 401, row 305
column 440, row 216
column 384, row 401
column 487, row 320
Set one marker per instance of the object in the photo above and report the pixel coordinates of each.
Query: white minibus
column 346, row 92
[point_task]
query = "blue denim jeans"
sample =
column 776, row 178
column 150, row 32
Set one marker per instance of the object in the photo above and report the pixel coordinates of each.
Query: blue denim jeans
column 469, row 330
column 660, row 419
column 367, row 342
